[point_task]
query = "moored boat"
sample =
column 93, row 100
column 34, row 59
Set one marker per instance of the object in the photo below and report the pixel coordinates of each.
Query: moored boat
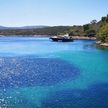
column 64, row 38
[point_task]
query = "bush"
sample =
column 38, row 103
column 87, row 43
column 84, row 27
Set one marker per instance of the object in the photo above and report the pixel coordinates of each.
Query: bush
column 102, row 34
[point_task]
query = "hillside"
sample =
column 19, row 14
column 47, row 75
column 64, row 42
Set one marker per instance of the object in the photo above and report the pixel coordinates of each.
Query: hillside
column 91, row 29
column 23, row 27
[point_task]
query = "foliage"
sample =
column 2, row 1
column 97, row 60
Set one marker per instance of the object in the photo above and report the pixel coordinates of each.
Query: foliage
column 103, row 33
column 91, row 33
column 86, row 27
column 40, row 31
column 90, row 30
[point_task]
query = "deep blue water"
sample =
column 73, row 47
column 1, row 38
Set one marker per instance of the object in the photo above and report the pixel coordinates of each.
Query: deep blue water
column 35, row 71
column 39, row 73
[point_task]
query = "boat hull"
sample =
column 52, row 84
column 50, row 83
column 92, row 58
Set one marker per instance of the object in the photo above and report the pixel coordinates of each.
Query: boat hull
column 61, row 39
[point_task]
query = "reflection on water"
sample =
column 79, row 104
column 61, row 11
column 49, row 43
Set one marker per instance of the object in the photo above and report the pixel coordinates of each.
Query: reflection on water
column 39, row 73
column 102, row 47
column 19, row 71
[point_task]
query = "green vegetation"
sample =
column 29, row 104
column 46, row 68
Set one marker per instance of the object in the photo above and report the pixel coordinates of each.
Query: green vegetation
column 39, row 31
column 92, row 29
column 102, row 34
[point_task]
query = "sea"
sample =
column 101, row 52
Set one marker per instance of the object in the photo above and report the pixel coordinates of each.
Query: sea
column 40, row 73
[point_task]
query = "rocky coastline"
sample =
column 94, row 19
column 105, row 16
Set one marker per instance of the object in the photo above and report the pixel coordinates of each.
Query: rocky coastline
column 102, row 43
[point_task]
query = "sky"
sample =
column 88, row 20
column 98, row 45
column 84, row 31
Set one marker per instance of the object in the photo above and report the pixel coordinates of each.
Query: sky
column 15, row 13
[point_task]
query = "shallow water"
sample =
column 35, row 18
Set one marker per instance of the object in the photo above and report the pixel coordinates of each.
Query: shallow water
column 39, row 73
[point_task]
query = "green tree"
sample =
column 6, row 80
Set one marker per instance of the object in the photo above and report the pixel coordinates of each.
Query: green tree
column 93, row 22
column 102, row 34
column 91, row 33
column 86, row 27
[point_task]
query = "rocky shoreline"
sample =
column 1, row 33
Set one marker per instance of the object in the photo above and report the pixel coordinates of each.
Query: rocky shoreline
column 90, row 38
column 83, row 38
column 102, row 44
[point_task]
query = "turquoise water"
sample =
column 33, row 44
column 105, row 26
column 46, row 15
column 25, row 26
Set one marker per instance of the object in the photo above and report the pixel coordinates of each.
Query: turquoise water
column 39, row 73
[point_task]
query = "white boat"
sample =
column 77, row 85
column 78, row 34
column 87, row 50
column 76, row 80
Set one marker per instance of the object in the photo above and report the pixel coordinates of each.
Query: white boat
column 63, row 38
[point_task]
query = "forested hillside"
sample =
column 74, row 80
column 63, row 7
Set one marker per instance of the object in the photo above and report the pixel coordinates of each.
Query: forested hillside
column 102, row 33
column 94, row 28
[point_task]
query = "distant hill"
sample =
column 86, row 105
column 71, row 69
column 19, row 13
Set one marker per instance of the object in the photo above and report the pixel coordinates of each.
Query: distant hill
column 2, row 27
column 32, row 27
column 24, row 27
column 90, row 30
column 36, row 31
